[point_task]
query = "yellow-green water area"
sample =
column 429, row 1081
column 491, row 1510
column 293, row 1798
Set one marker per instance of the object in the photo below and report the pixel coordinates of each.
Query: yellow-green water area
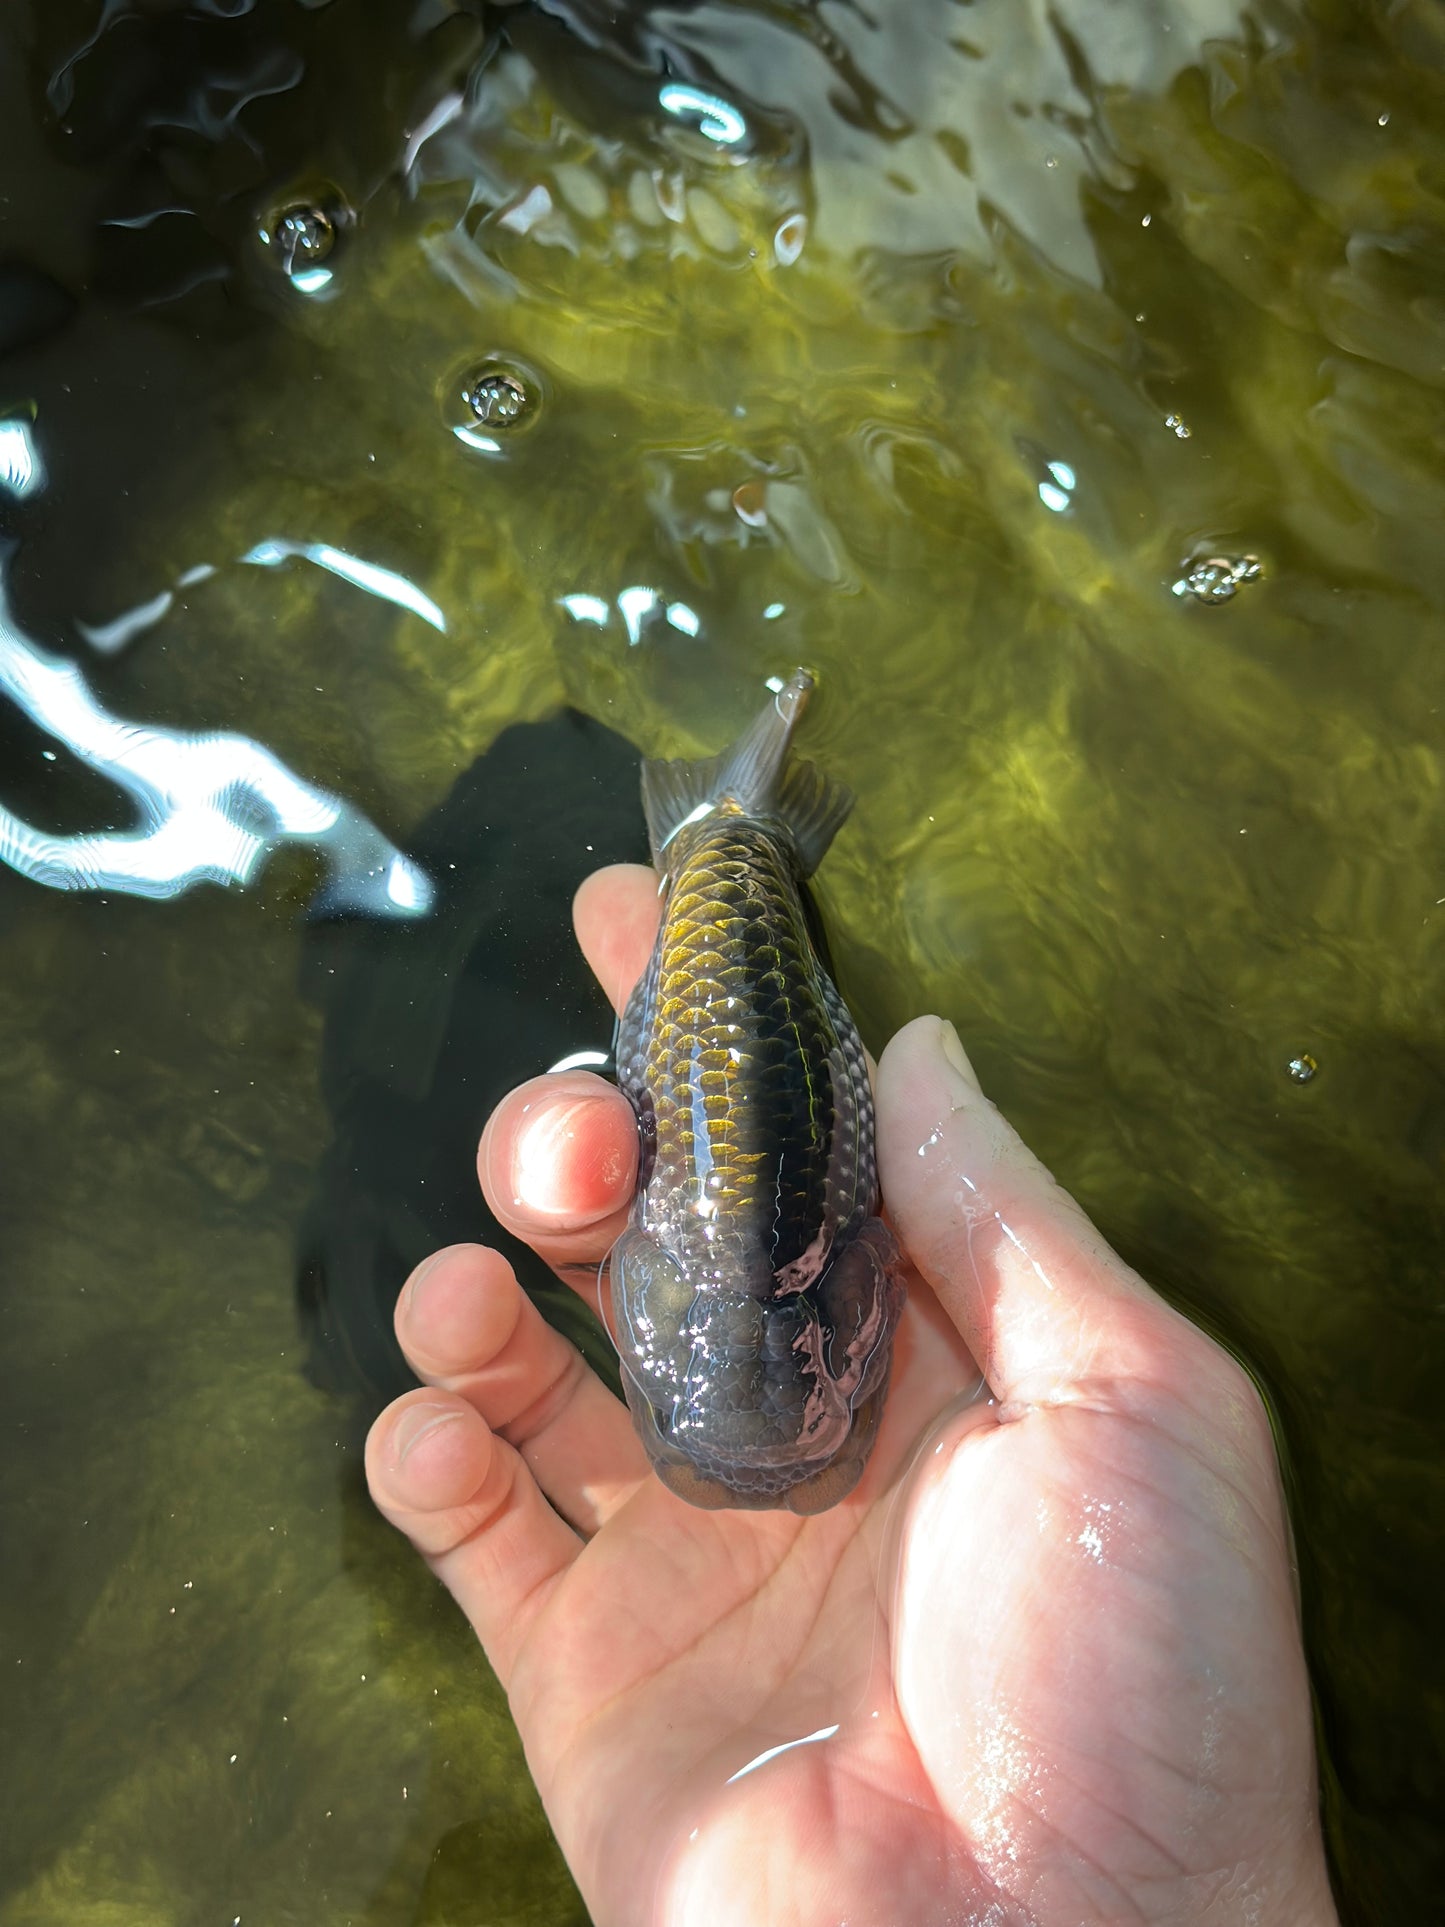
column 936, row 354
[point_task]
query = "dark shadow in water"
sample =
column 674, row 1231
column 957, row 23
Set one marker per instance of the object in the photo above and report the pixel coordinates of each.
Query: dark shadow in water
column 429, row 1024
column 34, row 308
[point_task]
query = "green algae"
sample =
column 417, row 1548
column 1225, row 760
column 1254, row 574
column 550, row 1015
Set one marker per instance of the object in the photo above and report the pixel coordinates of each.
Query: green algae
column 1142, row 851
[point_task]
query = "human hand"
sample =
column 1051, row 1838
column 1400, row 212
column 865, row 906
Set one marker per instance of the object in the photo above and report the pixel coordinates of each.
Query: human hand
column 1042, row 1665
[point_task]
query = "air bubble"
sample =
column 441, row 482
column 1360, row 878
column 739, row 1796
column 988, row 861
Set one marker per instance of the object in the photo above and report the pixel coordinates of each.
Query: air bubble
column 496, row 399
column 1217, row 578
column 491, row 400
column 1303, row 1068
column 300, row 237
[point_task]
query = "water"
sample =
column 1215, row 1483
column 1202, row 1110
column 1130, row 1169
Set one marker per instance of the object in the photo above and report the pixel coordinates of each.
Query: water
column 932, row 347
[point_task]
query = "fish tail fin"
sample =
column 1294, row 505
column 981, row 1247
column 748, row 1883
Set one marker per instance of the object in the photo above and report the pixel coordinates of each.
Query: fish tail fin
column 756, row 775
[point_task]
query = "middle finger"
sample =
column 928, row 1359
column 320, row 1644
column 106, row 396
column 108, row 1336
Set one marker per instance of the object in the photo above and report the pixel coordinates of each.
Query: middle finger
column 558, row 1159
column 467, row 1327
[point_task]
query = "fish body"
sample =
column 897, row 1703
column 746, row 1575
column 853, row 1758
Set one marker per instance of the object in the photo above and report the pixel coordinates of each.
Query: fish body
column 755, row 1291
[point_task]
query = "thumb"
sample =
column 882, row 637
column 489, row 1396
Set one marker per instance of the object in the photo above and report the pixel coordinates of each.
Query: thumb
column 1041, row 1301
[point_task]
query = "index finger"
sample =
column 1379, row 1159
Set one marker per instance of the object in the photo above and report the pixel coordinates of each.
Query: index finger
column 558, row 1158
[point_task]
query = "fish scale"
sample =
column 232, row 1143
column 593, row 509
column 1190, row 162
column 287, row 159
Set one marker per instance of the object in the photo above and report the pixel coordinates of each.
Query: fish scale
column 723, row 1024
column 755, row 1291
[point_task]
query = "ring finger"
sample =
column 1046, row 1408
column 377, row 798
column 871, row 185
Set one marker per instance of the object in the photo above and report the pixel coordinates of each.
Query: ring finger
column 468, row 1328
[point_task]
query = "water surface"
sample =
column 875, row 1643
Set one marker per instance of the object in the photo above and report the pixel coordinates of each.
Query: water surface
column 944, row 347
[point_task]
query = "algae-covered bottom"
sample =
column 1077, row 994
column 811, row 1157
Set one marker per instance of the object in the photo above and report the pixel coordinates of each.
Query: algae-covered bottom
column 1067, row 385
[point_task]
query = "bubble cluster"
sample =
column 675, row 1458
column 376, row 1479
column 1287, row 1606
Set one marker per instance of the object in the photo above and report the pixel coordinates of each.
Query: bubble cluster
column 490, row 400
column 497, row 398
column 300, row 237
column 1217, row 578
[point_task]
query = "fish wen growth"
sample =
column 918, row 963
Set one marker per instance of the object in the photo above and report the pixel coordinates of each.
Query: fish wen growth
column 756, row 1289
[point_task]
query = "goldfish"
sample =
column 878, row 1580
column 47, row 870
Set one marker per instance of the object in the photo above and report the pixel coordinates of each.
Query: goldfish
column 755, row 1291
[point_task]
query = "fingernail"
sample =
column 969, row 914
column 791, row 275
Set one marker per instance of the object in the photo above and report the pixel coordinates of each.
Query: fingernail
column 414, row 1424
column 952, row 1048
column 412, row 1290
column 540, row 1156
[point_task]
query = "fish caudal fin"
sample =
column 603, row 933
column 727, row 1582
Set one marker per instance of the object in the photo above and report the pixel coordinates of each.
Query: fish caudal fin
column 756, row 775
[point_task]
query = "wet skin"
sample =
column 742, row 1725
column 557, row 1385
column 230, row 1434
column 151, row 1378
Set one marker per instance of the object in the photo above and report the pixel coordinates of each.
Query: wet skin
column 1054, row 1624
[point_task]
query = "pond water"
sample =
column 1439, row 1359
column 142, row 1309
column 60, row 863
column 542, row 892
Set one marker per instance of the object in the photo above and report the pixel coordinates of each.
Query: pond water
column 404, row 410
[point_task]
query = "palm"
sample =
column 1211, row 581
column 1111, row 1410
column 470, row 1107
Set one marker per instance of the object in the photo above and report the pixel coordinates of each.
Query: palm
column 695, row 1643
column 1043, row 1663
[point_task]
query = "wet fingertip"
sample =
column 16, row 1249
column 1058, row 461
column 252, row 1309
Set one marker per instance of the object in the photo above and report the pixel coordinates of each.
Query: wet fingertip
column 573, row 1163
column 604, row 903
column 603, row 879
column 956, row 1057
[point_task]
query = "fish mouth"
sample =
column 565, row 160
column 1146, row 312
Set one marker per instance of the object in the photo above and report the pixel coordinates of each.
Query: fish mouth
column 805, row 1473
column 786, row 1482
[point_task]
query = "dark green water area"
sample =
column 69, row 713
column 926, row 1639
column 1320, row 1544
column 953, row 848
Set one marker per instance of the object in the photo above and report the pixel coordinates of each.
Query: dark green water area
column 445, row 399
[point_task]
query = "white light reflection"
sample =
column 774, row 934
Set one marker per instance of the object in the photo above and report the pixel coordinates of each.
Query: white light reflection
column 580, row 1060
column 210, row 807
column 442, row 115
column 22, row 472
column 407, row 887
column 703, row 809
column 717, row 120
column 370, row 576
column 808, row 1739
column 586, row 608
column 1058, row 494
column 111, row 637
column 534, row 206
column 634, row 604
column 790, row 239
